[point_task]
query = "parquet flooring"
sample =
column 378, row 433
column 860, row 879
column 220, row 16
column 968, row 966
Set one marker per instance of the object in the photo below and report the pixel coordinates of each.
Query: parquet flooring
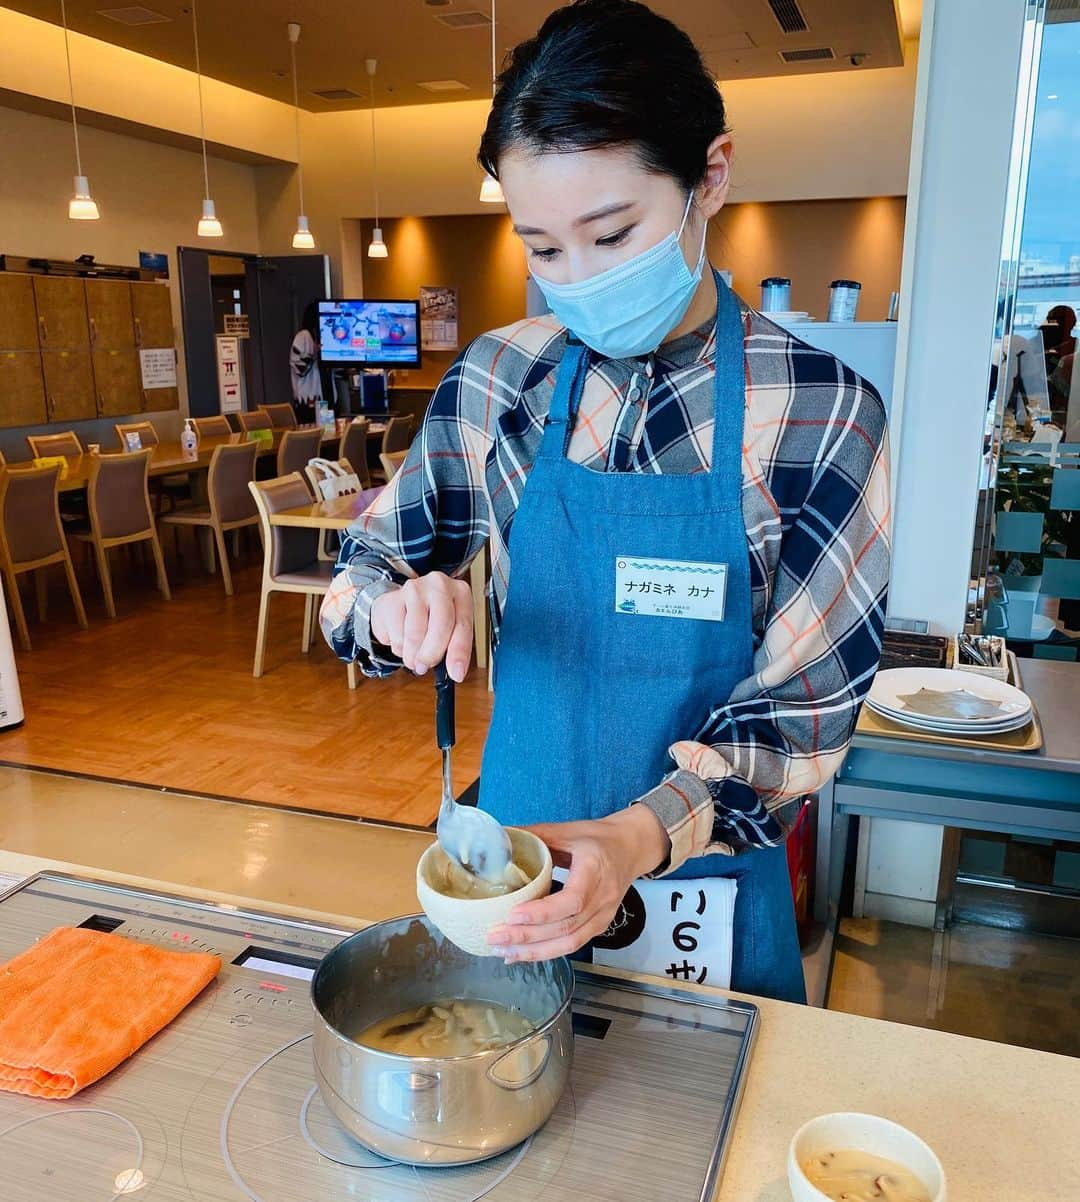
column 164, row 696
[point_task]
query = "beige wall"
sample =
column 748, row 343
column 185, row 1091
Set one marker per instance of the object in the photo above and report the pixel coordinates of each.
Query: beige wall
column 813, row 242
column 149, row 195
column 479, row 256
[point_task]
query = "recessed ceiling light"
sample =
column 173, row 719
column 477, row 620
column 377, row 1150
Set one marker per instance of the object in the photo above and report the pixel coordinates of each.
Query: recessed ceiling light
column 133, row 14
column 443, row 85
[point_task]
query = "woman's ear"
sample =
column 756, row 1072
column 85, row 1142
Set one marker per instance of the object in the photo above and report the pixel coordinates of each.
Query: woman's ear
column 714, row 189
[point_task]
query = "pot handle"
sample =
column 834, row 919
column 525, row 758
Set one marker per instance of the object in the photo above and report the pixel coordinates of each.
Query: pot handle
column 534, row 1071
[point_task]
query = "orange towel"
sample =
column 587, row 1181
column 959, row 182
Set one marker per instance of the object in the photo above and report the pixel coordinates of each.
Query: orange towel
column 80, row 1002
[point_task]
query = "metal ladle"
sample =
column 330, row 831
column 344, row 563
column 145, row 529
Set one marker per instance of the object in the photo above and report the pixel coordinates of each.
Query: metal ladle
column 468, row 835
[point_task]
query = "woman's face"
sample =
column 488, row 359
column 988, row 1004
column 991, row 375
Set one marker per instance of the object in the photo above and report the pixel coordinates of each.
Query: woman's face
column 582, row 212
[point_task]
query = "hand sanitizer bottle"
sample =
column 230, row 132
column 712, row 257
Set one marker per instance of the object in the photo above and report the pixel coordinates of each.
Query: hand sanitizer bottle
column 189, row 442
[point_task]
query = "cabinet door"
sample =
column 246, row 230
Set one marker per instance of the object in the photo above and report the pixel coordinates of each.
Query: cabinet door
column 152, row 307
column 160, row 400
column 61, row 313
column 18, row 316
column 22, row 390
column 69, row 386
column 117, row 384
column 108, row 307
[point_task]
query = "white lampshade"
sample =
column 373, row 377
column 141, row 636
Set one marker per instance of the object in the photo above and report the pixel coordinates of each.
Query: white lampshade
column 82, row 206
column 209, row 226
column 377, row 248
column 303, row 239
column 491, row 192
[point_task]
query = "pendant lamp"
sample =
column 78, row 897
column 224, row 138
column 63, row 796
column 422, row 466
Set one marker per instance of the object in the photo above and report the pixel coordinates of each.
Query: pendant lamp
column 303, row 239
column 491, row 192
column 377, row 247
column 209, row 225
column 81, row 207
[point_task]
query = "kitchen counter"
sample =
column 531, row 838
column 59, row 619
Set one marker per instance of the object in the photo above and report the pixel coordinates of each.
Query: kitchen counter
column 1003, row 1120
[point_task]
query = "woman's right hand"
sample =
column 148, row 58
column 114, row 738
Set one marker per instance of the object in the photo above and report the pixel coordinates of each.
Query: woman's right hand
column 427, row 619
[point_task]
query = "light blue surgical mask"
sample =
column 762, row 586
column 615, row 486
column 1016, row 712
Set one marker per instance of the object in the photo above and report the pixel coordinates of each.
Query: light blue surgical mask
column 627, row 310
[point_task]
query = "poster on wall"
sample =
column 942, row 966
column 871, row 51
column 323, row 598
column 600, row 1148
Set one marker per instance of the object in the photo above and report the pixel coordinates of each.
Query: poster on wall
column 439, row 319
column 230, row 378
column 158, row 364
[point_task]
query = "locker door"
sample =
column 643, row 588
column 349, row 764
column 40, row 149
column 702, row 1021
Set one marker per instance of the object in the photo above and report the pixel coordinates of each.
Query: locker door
column 22, row 390
column 69, row 386
column 61, row 313
column 18, row 316
column 117, row 383
column 108, row 307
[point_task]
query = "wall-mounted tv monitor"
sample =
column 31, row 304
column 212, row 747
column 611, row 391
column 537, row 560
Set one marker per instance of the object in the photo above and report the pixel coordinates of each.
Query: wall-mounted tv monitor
column 370, row 333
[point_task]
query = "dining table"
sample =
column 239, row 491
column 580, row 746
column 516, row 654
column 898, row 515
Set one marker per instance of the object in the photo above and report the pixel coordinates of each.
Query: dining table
column 168, row 458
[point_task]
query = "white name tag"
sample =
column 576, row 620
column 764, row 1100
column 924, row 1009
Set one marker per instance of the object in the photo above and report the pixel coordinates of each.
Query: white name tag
column 670, row 588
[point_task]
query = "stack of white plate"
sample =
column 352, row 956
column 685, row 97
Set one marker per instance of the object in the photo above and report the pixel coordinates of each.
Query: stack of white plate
column 944, row 701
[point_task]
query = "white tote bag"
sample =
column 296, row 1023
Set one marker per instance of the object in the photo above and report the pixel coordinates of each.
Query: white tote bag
column 333, row 479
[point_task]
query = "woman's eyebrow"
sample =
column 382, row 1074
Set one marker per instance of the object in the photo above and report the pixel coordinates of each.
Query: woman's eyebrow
column 595, row 215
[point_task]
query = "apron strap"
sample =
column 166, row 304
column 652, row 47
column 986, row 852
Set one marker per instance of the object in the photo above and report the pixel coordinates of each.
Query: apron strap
column 730, row 383
column 569, row 384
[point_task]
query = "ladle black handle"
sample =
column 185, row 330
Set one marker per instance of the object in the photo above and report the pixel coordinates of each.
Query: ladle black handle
column 444, row 707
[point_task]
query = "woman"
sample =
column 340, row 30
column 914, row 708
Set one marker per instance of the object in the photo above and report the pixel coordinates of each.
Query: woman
column 651, row 419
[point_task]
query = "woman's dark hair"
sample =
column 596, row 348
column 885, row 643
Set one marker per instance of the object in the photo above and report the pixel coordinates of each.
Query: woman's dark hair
column 607, row 73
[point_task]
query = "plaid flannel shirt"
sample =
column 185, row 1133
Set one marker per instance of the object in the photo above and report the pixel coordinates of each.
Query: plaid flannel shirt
column 815, row 497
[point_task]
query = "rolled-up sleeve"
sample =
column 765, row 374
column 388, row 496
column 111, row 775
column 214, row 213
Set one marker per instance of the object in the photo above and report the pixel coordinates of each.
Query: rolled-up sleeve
column 740, row 779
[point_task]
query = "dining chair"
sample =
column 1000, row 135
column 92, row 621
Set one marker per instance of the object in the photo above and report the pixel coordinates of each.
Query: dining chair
column 230, row 507
column 258, row 419
column 291, row 561
column 32, row 540
column 396, row 437
column 118, row 498
column 354, row 446
column 296, row 449
column 177, row 487
column 42, row 445
column 212, row 427
column 282, row 417
column 148, row 435
column 391, row 462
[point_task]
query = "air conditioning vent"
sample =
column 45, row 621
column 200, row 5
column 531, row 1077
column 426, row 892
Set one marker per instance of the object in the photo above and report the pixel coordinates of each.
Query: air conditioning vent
column 788, row 13
column 133, row 14
column 336, row 94
column 815, row 55
column 465, row 20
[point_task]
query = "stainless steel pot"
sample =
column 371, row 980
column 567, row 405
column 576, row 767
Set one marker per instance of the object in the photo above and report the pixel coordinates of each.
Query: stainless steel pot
column 427, row 1110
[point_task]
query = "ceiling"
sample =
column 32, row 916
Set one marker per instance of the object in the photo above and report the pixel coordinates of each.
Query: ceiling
column 244, row 42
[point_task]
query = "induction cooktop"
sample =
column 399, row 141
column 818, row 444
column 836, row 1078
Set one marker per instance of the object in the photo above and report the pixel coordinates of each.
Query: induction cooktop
column 221, row 1106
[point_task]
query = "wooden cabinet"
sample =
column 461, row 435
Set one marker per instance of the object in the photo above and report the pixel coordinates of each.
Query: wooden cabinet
column 69, row 386
column 18, row 316
column 61, row 313
column 108, row 310
column 151, row 306
column 117, row 383
column 22, row 390
column 69, row 348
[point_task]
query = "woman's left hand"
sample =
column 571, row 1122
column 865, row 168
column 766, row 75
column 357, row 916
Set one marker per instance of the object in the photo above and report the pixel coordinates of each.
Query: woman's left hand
column 605, row 856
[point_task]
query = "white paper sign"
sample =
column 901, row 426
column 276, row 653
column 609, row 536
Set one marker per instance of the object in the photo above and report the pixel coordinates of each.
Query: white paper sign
column 230, row 389
column 158, row 365
column 438, row 318
column 678, row 930
column 670, row 588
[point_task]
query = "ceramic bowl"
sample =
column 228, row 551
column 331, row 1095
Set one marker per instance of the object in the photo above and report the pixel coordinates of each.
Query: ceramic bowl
column 465, row 921
column 869, row 1133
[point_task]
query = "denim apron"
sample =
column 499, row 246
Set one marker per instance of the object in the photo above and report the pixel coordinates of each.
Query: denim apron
column 589, row 699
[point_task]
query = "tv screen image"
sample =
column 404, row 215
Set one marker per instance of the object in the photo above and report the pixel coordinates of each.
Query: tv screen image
column 371, row 333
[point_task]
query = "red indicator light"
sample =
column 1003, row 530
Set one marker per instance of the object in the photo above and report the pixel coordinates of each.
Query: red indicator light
column 271, row 987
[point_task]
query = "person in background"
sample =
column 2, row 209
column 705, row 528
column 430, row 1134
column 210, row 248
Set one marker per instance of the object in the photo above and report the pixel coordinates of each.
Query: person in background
column 304, row 367
column 1060, row 358
column 695, row 504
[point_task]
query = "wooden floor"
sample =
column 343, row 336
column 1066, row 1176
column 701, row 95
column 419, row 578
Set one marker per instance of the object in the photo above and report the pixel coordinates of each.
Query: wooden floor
column 164, row 696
